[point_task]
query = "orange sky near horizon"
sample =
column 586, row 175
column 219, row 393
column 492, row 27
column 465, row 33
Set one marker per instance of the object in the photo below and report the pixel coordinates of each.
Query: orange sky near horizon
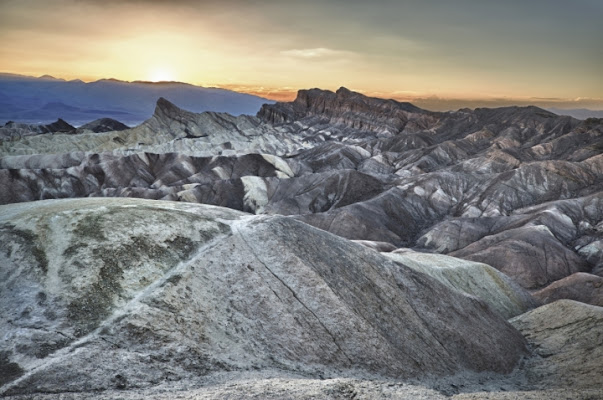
column 397, row 49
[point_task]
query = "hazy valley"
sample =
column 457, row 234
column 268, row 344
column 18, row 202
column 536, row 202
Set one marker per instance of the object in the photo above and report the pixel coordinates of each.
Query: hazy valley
column 41, row 100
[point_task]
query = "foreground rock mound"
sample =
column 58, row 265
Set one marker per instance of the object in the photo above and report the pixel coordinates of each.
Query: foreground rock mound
column 567, row 339
column 267, row 389
column 124, row 293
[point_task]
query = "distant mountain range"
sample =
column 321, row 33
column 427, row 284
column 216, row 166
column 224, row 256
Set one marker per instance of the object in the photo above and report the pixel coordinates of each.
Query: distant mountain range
column 42, row 100
column 580, row 113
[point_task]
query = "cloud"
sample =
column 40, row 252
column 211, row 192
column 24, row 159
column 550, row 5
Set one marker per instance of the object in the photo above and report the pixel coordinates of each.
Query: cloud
column 317, row 53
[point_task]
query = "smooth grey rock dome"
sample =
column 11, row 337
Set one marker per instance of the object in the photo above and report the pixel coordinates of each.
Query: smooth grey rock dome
column 108, row 292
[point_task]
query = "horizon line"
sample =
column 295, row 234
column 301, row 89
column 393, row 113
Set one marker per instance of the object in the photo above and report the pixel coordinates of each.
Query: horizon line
column 288, row 93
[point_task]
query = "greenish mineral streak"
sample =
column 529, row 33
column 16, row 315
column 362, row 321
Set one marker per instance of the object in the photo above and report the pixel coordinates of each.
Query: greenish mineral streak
column 96, row 301
column 26, row 238
column 90, row 227
column 145, row 257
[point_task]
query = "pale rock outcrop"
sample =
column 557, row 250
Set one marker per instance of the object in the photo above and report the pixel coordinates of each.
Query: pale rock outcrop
column 14, row 131
column 476, row 279
column 382, row 247
column 567, row 340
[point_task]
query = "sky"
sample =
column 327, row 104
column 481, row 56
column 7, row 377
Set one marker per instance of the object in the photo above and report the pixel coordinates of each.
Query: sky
column 493, row 51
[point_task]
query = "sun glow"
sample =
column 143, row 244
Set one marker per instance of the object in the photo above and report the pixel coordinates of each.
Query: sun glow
column 161, row 74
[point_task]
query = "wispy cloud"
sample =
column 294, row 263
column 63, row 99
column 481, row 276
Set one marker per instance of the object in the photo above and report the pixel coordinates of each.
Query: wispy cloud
column 318, row 53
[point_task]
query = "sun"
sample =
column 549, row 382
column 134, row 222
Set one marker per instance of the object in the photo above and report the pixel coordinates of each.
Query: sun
column 161, row 74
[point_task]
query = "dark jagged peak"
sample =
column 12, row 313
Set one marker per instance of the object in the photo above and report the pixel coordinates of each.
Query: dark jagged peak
column 14, row 129
column 346, row 100
column 346, row 94
column 166, row 110
column 50, row 78
column 102, row 125
column 171, row 119
column 541, row 111
column 59, row 126
column 164, row 104
column 344, row 107
column 530, row 118
column 343, row 91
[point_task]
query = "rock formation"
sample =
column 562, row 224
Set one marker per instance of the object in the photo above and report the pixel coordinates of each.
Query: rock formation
column 515, row 188
column 102, row 125
column 116, row 293
column 476, row 279
column 580, row 286
column 480, row 215
column 12, row 130
column 567, row 338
